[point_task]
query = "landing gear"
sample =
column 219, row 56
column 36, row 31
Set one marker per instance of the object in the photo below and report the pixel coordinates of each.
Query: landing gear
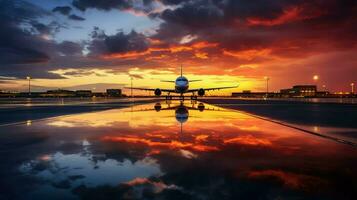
column 193, row 97
column 182, row 98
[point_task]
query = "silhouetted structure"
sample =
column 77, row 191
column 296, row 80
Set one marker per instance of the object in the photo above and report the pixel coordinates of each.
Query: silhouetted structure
column 84, row 93
column 114, row 93
column 249, row 94
column 300, row 91
column 59, row 93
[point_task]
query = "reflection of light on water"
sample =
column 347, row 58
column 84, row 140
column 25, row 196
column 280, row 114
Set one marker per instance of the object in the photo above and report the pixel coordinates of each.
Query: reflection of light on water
column 292, row 180
column 61, row 124
column 28, row 123
column 45, row 157
column 158, row 186
column 250, row 128
column 187, row 154
column 139, row 116
column 248, row 140
column 131, row 148
column 316, row 129
column 85, row 143
column 94, row 170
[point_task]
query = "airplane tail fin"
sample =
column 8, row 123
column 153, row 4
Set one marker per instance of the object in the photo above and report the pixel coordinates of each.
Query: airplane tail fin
column 181, row 69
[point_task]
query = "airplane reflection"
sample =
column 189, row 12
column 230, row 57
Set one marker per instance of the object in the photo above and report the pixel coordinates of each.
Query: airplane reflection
column 181, row 110
column 223, row 154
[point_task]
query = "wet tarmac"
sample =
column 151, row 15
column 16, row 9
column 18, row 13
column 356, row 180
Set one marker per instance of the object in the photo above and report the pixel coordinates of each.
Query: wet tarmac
column 172, row 151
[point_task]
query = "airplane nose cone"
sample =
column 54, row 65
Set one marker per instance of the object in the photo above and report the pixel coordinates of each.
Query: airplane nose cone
column 181, row 114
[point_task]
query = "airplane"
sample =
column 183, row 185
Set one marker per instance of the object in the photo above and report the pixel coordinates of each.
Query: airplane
column 181, row 110
column 181, row 87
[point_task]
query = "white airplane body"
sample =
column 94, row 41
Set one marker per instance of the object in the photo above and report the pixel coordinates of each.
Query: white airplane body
column 182, row 87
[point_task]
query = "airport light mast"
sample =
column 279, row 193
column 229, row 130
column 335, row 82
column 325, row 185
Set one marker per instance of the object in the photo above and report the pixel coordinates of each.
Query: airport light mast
column 352, row 88
column 324, row 87
column 267, row 85
column 29, row 79
column 131, row 88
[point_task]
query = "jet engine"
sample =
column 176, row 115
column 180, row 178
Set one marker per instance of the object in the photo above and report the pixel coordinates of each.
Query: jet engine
column 157, row 107
column 201, row 107
column 201, row 92
column 157, row 92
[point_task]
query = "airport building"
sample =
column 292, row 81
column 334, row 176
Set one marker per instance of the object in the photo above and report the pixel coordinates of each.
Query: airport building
column 300, row 91
column 84, row 93
column 59, row 93
column 114, row 93
column 250, row 94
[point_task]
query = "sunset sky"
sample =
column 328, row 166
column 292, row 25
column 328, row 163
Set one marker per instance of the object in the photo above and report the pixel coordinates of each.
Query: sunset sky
column 92, row 44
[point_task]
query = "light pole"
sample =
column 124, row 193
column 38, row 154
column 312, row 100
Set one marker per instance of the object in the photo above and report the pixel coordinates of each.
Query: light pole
column 315, row 77
column 267, row 85
column 29, row 79
column 131, row 88
column 352, row 88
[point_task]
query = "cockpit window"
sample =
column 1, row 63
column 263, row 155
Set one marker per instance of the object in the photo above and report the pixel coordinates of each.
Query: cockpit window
column 182, row 79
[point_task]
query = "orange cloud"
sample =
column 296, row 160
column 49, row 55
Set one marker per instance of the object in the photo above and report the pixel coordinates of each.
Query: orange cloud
column 173, row 144
column 132, row 54
column 289, row 15
column 248, row 54
column 158, row 186
column 248, row 140
column 292, row 180
column 201, row 45
column 201, row 137
column 171, row 49
column 201, row 55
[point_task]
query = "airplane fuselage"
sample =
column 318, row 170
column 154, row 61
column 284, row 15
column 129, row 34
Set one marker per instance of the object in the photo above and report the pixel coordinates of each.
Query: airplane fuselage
column 181, row 84
column 181, row 87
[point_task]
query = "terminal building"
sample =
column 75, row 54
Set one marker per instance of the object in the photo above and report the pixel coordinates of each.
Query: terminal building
column 59, row 93
column 114, row 93
column 84, row 93
column 250, row 94
column 295, row 91
column 300, row 91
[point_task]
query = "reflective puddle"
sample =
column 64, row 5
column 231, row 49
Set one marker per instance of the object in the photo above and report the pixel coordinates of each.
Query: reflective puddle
column 171, row 151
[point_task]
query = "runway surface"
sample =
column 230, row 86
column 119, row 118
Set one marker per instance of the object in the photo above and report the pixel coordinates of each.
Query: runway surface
column 172, row 151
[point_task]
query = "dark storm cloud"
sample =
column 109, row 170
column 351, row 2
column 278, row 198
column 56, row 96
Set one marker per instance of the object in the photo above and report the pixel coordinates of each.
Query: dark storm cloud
column 26, row 46
column 118, row 43
column 122, row 42
column 277, row 24
column 102, row 5
column 173, row 2
column 194, row 14
column 18, row 10
column 139, row 6
column 69, row 48
column 261, row 8
column 64, row 10
column 18, row 45
column 76, row 17
column 47, row 29
column 136, row 5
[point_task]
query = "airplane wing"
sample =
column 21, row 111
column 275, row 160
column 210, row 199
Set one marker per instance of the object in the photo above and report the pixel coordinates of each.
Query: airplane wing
column 208, row 89
column 151, row 89
column 167, row 81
